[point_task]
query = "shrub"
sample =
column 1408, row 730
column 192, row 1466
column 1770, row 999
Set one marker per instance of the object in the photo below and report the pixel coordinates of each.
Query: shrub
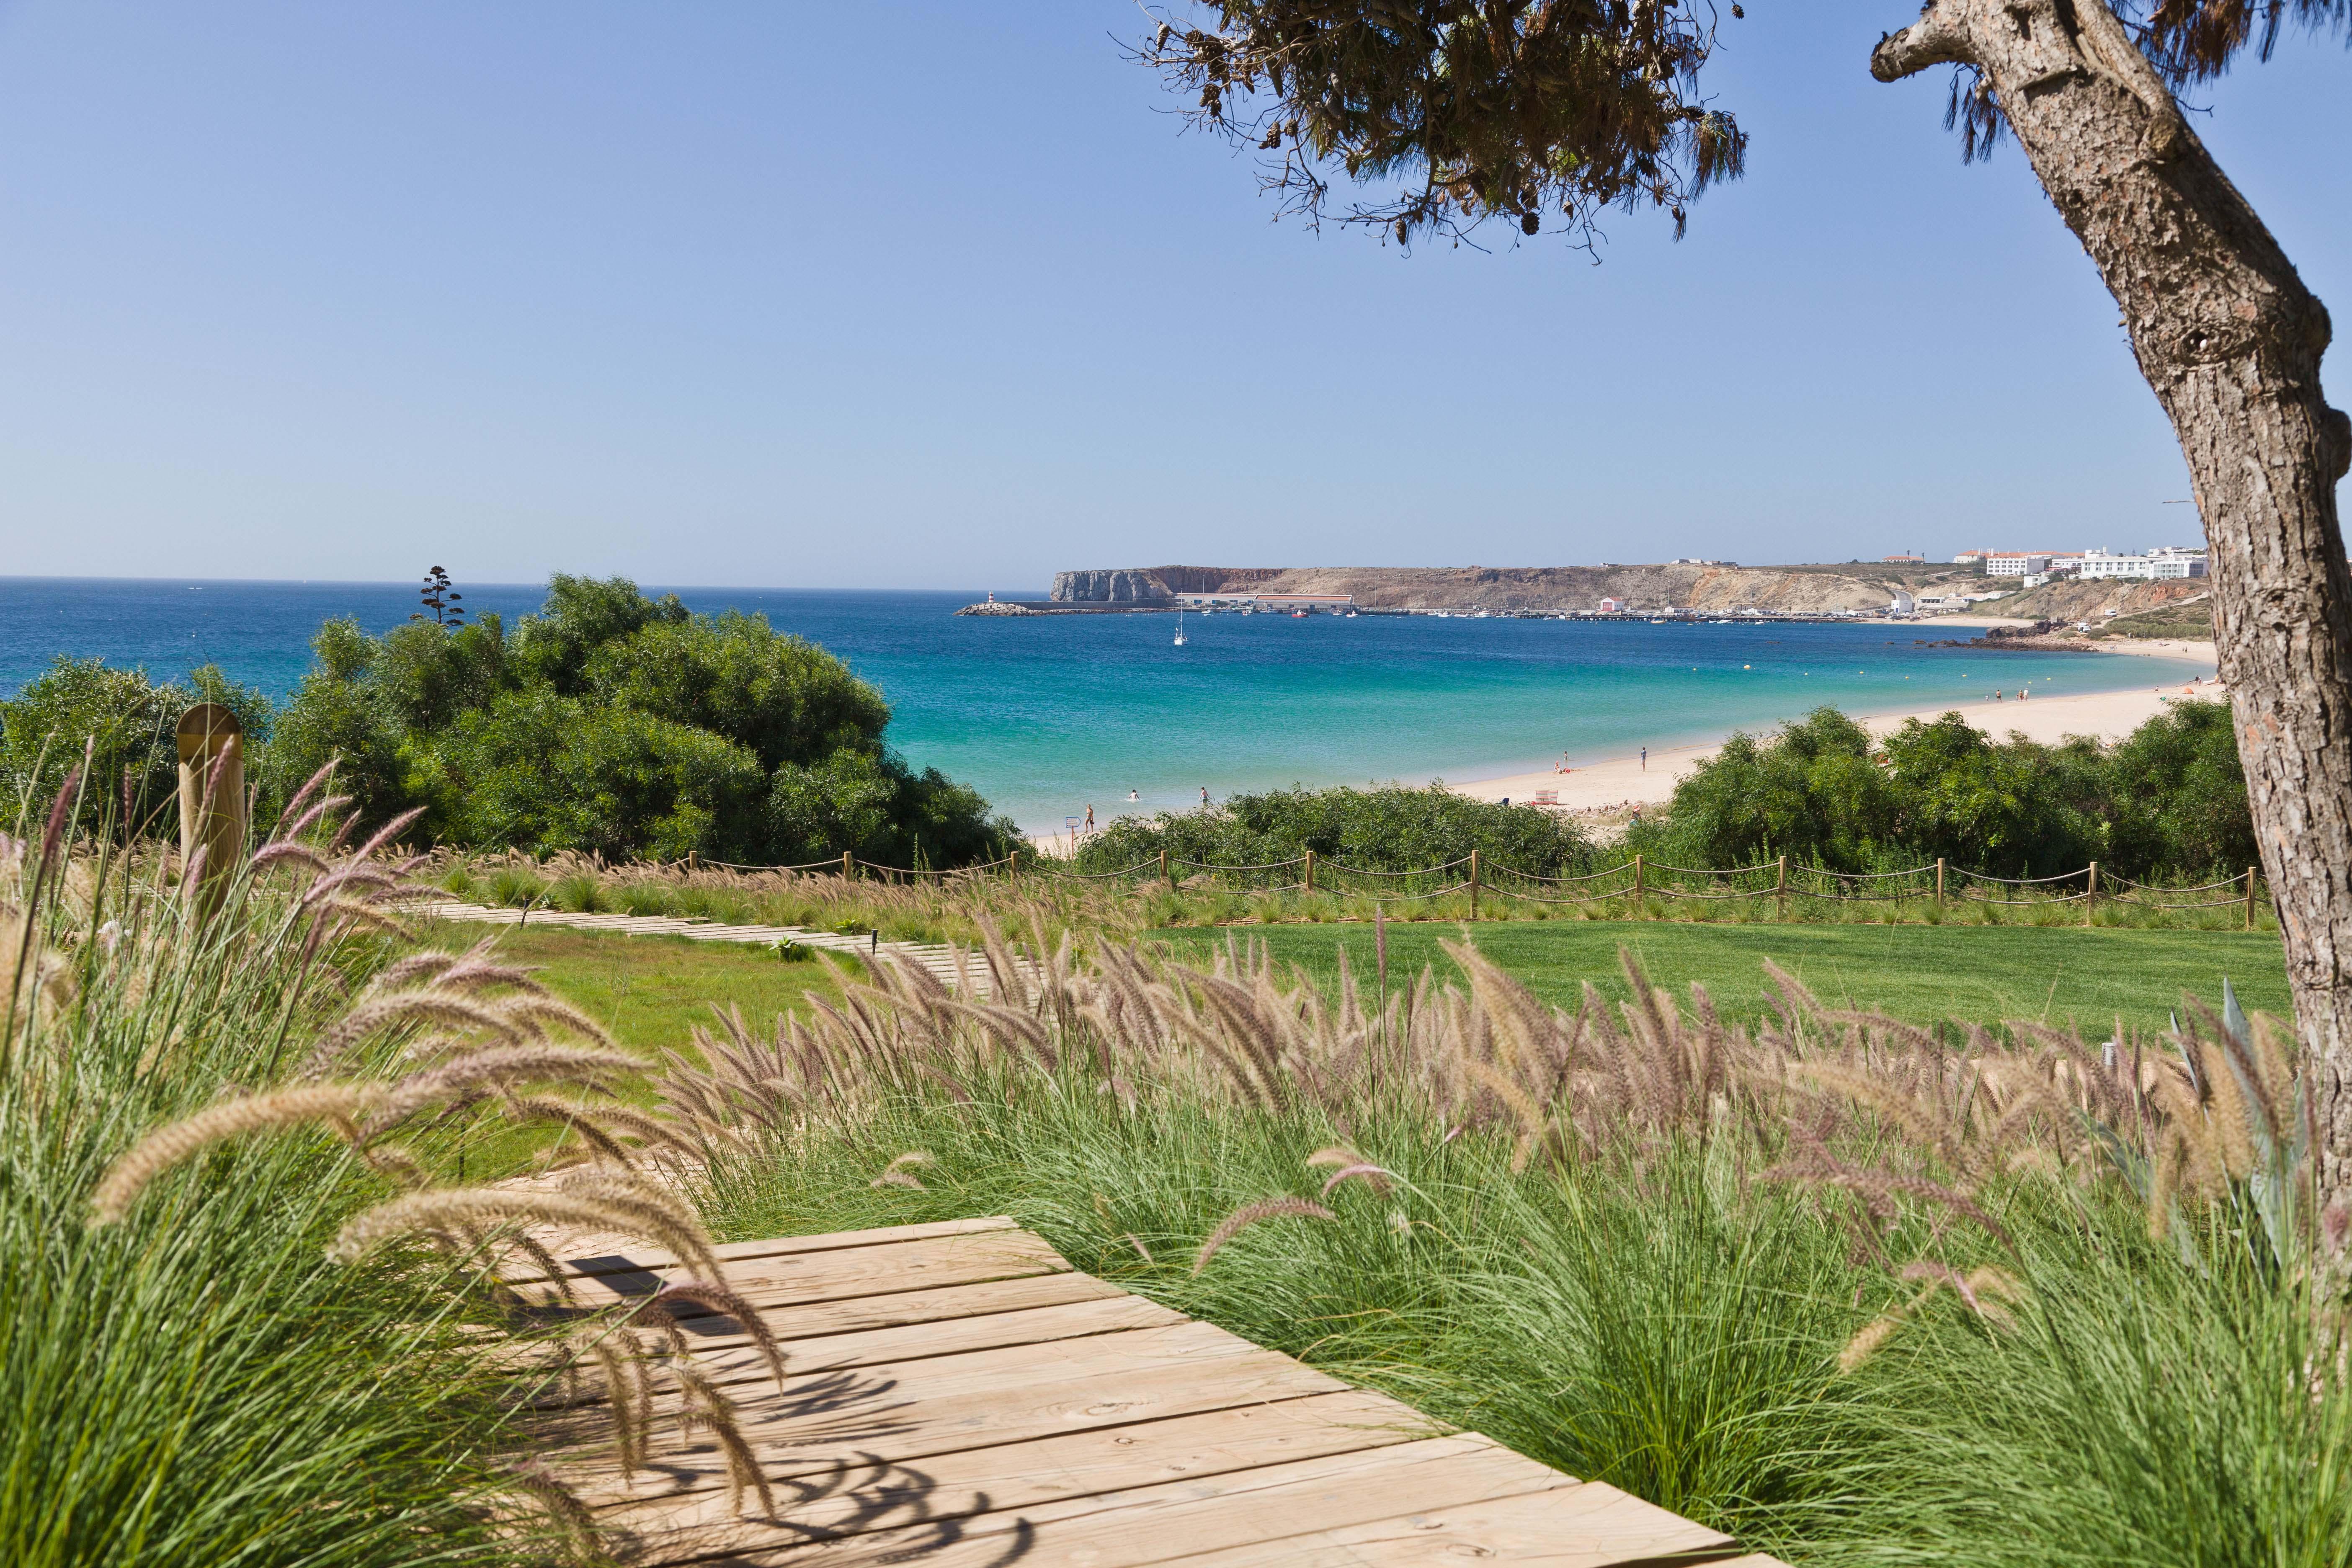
column 2168, row 801
column 512, row 888
column 128, row 724
column 1391, row 829
column 577, row 894
column 625, row 726
column 643, row 898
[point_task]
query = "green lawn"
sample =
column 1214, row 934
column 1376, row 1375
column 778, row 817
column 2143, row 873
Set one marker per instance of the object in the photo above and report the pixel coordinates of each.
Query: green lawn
column 1916, row 971
column 650, row 991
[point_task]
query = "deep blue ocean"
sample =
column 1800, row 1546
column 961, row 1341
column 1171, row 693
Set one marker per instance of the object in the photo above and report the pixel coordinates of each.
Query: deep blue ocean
column 1045, row 715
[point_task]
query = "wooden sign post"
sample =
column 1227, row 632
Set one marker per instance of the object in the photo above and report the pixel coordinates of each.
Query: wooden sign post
column 212, row 799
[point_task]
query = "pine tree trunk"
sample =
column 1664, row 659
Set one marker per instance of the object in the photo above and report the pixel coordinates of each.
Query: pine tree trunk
column 2230, row 340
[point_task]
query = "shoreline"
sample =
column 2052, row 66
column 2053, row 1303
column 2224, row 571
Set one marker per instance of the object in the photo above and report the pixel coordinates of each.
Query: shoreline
column 1604, row 791
column 1611, row 788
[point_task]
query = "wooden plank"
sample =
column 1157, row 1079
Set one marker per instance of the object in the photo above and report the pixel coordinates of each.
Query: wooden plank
column 857, row 1314
column 645, row 1256
column 729, row 1358
column 1589, row 1526
column 827, row 1276
column 910, row 1410
column 735, row 1360
column 1239, row 1509
column 881, row 1494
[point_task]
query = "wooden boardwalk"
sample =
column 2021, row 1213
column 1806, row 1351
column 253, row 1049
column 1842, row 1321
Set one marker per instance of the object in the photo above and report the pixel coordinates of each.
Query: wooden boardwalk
column 956, row 1394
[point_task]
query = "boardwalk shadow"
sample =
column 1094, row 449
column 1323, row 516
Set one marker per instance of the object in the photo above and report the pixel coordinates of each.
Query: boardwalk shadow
column 852, row 1498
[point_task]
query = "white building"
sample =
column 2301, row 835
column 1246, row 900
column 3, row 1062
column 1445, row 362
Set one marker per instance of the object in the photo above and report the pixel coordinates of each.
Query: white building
column 1902, row 603
column 1608, row 606
column 2168, row 563
column 2008, row 564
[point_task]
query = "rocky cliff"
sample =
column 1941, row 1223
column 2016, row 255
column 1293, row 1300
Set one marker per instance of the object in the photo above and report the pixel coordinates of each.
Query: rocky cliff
column 1148, row 585
column 1797, row 590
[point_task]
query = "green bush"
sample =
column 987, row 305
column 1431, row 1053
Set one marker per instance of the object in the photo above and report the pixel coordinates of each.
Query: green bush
column 2168, row 801
column 627, row 726
column 579, row 894
column 126, row 722
column 1391, row 829
column 513, row 887
column 643, row 898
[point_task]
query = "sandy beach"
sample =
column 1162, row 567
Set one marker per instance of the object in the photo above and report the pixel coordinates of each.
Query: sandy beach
column 1606, row 787
column 1604, row 790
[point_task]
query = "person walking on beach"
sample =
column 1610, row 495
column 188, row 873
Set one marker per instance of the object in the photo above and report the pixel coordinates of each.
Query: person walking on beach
column 1645, row 758
column 1090, row 817
column 1204, row 797
column 1130, row 794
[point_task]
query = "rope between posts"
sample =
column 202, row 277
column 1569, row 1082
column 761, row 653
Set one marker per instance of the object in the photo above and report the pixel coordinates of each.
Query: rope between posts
column 2020, row 881
column 1358, row 871
column 1539, row 877
column 2200, row 887
column 1862, row 875
column 1973, row 887
column 1101, row 876
column 1540, row 899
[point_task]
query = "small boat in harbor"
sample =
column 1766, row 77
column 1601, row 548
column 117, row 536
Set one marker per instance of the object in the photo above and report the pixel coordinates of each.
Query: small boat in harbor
column 1180, row 628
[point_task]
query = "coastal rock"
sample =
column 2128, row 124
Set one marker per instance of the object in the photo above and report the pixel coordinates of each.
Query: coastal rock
column 1156, row 584
column 1709, row 587
column 1123, row 586
column 998, row 607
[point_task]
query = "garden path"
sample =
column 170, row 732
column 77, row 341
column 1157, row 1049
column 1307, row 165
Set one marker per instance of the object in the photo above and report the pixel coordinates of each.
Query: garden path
column 956, row 1394
column 937, row 958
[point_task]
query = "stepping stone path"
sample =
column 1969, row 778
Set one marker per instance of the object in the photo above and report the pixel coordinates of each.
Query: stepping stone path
column 937, row 958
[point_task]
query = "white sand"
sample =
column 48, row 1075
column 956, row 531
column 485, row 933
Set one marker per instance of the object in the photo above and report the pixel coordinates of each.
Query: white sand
column 1607, row 787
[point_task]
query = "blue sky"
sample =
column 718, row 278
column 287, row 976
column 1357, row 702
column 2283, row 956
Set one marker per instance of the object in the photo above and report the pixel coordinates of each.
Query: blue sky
column 902, row 294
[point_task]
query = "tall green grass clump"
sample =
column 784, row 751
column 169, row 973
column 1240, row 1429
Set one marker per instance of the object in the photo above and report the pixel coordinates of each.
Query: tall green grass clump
column 197, row 1382
column 1852, row 1291
column 243, row 1319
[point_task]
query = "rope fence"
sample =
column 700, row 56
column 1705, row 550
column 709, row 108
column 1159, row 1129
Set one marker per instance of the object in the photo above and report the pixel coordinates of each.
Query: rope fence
column 1637, row 883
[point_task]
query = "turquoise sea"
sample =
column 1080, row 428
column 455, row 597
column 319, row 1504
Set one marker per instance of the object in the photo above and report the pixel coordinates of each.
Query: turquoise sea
column 1048, row 716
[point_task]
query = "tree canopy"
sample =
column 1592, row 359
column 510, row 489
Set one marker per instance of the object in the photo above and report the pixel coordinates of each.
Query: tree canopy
column 1519, row 108
column 626, row 725
column 121, row 724
column 608, row 721
column 1547, row 112
column 2169, row 800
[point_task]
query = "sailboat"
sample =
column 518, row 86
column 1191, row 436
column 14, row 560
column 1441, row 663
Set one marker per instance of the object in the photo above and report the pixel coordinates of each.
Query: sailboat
column 1180, row 628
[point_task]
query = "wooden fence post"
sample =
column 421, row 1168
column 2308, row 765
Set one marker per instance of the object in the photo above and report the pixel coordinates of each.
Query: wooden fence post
column 1310, row 870
column 1641, row 901
column 693, row 862
column 1012, row 867
column 2249, row 897
column 1940, row 884
column 1474, row 884
column 1165, row 875
column 2091, row 900
column 1781, row 890
column 848, row 866
column 211, row 803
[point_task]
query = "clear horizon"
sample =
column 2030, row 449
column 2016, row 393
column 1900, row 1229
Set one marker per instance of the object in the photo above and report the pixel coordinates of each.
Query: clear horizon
column 908, row 296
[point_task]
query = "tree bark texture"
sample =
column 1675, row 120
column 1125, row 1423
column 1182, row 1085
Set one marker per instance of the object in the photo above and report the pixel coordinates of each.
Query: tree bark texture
column 2230, row 340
